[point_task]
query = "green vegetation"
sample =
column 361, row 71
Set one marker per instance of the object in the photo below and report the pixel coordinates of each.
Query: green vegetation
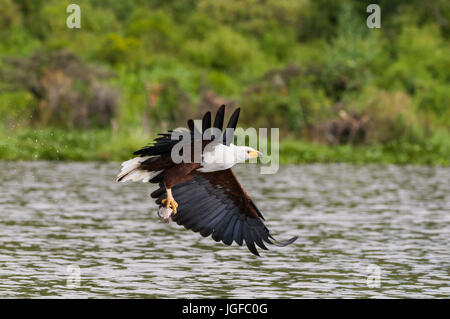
column 338, row 91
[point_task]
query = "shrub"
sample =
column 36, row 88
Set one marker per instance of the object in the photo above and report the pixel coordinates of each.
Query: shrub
column 117, row 49
column 223, row 49
column 156, row 30
column 391, row 115
column 284, row 98
column 67, row 91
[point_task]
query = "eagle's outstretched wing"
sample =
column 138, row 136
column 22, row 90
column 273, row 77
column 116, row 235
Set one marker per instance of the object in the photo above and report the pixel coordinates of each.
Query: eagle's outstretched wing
column 212, row 203
column 216, row 204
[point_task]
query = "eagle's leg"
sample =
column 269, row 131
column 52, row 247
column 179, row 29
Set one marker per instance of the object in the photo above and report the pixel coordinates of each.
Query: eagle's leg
column 176, row 175
column 170, row 201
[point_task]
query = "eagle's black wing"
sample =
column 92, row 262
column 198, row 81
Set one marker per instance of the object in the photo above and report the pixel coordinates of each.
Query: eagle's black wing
column 164, row 143
column 216, row 204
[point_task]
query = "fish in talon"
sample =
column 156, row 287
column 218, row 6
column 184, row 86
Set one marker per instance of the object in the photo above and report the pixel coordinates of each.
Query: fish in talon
column 164, row 214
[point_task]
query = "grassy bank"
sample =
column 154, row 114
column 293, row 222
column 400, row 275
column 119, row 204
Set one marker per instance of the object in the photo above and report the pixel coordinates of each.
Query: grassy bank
column 103, row 145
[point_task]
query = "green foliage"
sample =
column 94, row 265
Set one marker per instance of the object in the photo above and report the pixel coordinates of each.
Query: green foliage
column 300, row 65
column 222, row 49
column 391, row 116
column 58, row 144
column 103, row 145
column 278, row 41
column 10, row 14
column 172, row 101
column 289, row 104
column 156, row 29
column 423, row 73
column 116, row 49
column 67, row 92
column 429, row 153
column 253, row 16
column 350, row 55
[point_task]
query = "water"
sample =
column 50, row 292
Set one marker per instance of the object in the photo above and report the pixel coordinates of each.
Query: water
column 353, row 222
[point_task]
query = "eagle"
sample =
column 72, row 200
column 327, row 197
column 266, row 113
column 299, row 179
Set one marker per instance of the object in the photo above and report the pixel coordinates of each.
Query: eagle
column 204, row 195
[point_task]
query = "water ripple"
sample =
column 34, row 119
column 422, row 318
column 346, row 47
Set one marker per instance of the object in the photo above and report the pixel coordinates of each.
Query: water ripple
column 58, row 215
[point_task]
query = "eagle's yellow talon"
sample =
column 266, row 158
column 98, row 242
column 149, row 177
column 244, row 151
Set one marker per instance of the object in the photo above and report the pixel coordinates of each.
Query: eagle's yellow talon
column 170, row 203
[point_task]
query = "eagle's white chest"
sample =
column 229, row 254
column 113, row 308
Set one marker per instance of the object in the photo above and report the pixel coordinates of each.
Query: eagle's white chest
column 217, row 157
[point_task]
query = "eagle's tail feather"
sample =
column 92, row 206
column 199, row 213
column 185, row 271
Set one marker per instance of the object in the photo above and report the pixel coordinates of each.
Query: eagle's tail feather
column 132, row 171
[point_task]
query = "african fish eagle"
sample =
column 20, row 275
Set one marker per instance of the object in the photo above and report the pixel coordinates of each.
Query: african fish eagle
column 209, row 198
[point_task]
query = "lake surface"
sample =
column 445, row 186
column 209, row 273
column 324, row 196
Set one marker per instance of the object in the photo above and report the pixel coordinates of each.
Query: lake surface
column 69, row 230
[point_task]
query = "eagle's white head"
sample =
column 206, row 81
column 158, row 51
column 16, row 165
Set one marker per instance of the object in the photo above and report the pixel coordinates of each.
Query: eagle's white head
column 218, row 156
column 243, row 153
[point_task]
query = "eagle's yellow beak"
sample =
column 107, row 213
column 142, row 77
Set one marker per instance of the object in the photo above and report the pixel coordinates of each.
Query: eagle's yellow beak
column 254, row 154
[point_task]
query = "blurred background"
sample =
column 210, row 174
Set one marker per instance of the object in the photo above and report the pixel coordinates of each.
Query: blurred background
column 338, row 91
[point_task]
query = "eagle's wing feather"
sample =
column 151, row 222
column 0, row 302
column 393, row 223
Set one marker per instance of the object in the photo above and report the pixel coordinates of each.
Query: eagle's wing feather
column 228, row 135
column 216, row 204
column 163, row 144
column 206, row 121
column 218, row 121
